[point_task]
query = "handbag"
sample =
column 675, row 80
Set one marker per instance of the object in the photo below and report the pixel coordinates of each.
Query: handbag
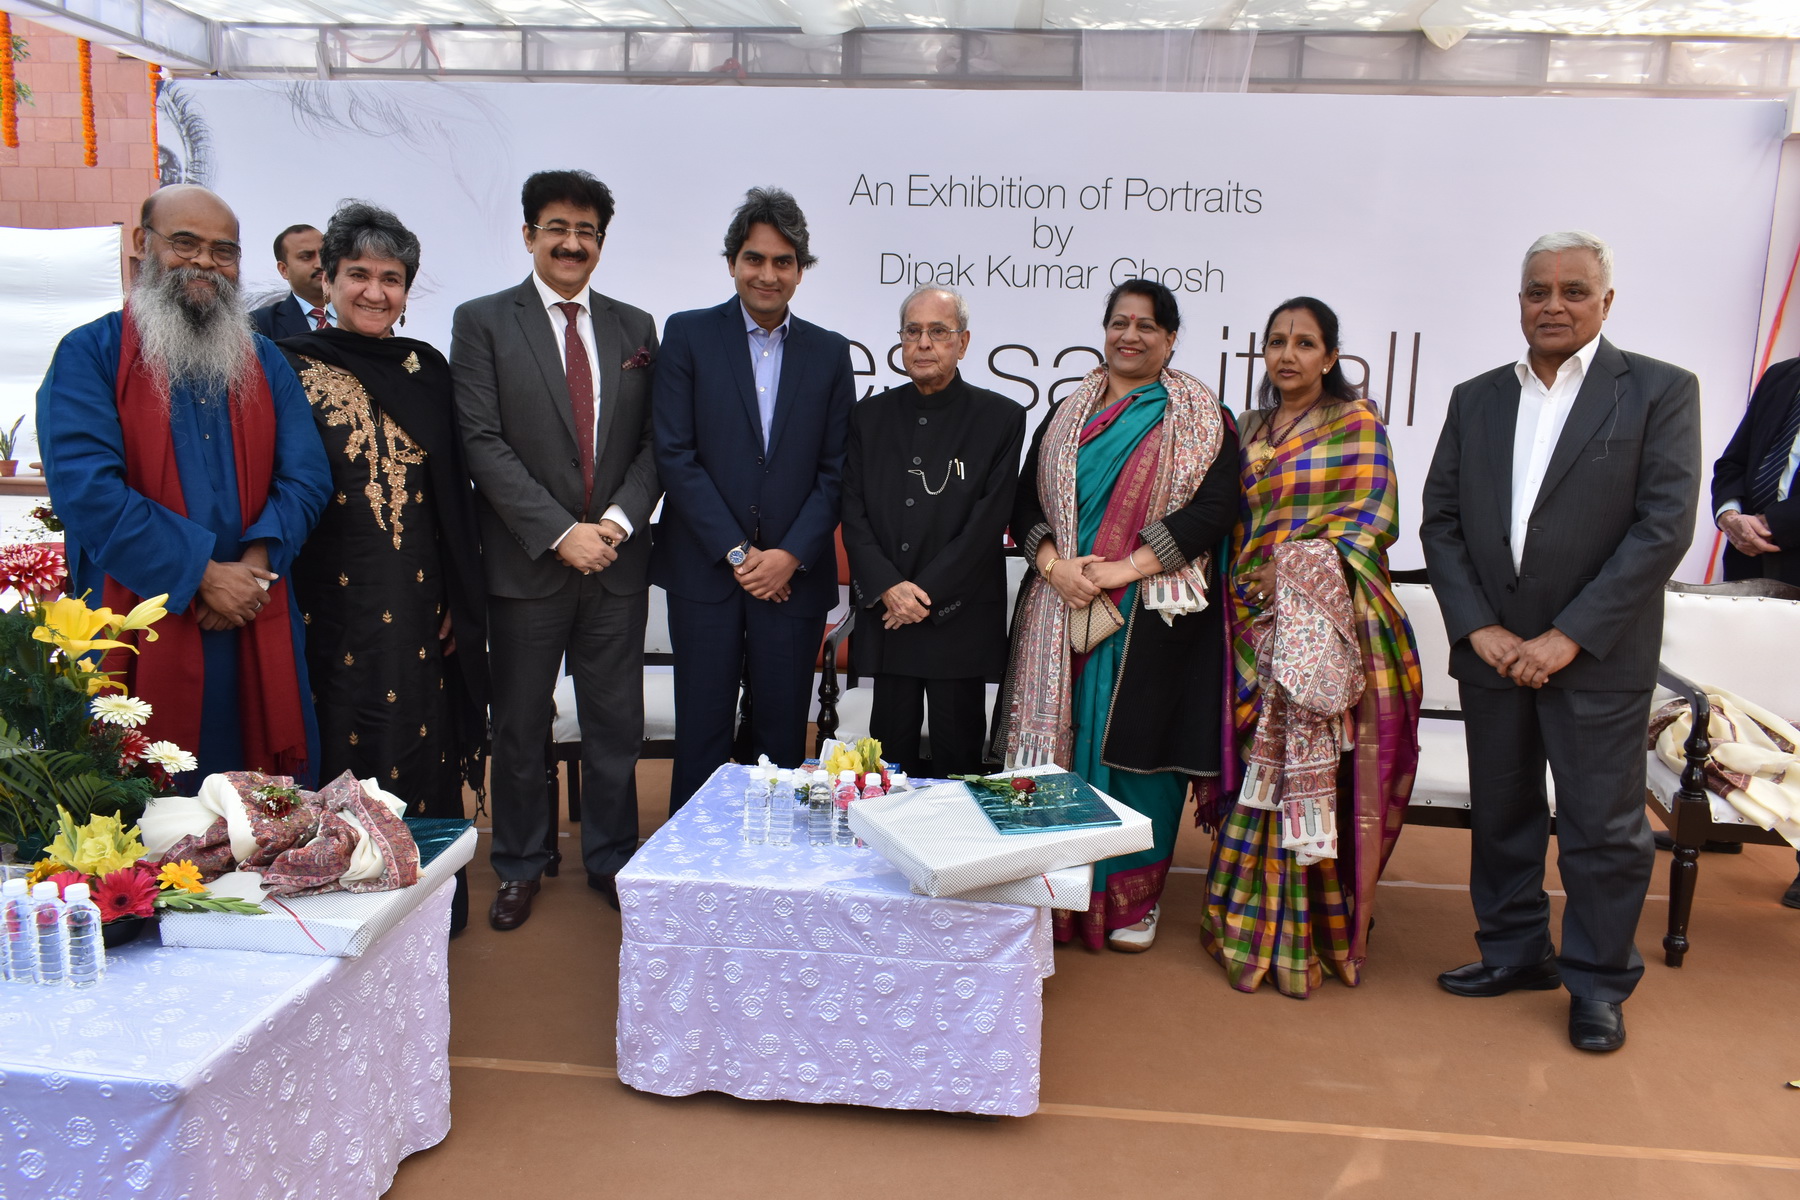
column 1090, row 626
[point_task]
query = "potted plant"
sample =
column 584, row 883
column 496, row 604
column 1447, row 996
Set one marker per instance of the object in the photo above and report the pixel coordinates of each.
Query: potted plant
column 9, row 442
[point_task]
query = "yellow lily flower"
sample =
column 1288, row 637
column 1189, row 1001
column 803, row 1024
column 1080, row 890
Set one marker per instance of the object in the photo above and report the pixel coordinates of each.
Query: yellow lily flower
column 70, row 626
column 146, row 614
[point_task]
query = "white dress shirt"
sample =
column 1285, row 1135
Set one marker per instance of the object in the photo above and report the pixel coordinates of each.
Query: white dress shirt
column 584, row 329
column 1542, row 413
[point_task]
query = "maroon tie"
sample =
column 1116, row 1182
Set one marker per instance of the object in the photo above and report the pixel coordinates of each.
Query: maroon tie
column 581, row 395
column 318, row 318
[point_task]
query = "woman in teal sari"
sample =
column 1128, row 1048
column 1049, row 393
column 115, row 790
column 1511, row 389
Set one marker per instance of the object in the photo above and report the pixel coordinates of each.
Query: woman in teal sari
column 1126, row 497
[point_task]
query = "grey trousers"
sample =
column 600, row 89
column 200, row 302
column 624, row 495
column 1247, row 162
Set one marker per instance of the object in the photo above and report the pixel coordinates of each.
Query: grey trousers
column 1594, row 744
column 602, row 635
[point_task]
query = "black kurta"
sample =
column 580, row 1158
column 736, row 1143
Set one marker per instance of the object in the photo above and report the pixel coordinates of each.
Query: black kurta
column 910, row 514
column 1167, row 710
column 394, row 550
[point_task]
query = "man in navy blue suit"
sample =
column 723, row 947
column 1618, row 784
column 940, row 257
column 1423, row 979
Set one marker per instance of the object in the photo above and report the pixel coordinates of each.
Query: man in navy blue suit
column 305, row 308
column 751, row 411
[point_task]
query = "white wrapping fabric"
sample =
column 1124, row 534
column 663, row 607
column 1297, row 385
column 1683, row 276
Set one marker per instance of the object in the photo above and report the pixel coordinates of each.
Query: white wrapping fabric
column 222, row 1075
column 1070, row 889
column 942, row 841
column 342, row 924
column 815, row 974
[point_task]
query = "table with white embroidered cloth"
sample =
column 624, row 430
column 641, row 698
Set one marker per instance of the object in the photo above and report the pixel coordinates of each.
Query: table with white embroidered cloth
column 217, row 1074
column 816, row 974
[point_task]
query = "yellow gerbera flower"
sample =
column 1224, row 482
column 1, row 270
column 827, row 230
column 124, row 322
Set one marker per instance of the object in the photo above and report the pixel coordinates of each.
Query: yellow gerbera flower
column 44, row 868
column 182, row 876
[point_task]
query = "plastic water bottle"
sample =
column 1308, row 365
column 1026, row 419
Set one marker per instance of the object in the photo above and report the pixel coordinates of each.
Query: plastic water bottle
column 18, row 942
column 756, row 808
column 872, row 786
column 818, row 810
column 52, row 935
column 841, row 798
column 898, row 782
column 87, row 951
column 781, row 809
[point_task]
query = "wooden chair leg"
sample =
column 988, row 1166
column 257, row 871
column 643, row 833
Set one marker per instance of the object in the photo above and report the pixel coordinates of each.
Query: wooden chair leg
column 1684, row 873
column 575, row 789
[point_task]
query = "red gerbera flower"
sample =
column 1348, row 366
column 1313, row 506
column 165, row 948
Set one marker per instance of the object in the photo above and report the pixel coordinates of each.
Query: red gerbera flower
column 127, row 892
column 132, row 748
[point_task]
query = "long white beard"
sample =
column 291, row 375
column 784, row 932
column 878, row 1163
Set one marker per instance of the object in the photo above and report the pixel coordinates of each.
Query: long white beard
column 207, row 345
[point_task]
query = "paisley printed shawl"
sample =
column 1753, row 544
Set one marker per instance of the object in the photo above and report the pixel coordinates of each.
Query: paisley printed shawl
column 1039, row 726
column 1310, row 672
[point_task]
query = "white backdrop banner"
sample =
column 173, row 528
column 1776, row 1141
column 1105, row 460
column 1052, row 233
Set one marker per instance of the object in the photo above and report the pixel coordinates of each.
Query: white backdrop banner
column 1408, row 215
column 51, row 280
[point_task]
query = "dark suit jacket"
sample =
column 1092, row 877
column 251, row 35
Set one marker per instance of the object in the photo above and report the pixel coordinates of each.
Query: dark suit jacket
column 1610, row 524
column 281, row 319
column 722, row 485
column 512, row 398
column 1769, row 408
column 949, row 544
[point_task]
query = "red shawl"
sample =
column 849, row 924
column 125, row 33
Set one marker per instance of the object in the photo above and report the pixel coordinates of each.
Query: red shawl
column 170, row 673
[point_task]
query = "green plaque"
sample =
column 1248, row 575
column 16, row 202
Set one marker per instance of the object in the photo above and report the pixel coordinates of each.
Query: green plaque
column 1060, row 800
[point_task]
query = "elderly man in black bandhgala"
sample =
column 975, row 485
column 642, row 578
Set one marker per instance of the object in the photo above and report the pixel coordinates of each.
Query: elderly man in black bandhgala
column 928, row 489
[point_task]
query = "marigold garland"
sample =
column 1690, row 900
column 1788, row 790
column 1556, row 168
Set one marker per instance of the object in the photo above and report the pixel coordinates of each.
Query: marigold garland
column 9, row 95
column 155, row 71
column 84, row 56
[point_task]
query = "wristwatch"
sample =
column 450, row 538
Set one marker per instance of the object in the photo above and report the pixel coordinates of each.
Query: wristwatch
column 738, row 553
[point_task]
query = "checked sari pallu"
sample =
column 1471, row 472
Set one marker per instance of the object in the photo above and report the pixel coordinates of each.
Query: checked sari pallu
column 1266, row 914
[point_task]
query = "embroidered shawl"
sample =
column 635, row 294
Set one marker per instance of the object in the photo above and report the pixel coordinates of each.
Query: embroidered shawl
column 1038, row 724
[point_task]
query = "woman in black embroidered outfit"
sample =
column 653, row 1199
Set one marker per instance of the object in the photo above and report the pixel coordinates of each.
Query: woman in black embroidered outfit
column 389, row 583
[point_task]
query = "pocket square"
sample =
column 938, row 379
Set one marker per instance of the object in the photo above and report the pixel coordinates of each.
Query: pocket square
column 640, row 359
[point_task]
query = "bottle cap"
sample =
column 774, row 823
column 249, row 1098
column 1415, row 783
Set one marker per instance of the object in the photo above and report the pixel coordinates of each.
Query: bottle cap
column 846, row 776
column 784, row 775
column 75, row 891
column 15, row 887
column 43, row 891
column 872, row 779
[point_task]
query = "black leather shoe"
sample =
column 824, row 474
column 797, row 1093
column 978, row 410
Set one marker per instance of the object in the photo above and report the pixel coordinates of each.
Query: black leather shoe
column 513, row 905
column 1595, row 1025
column 1791, row 897
column 1666, row 841
column 606, row 887
column 1482, row 979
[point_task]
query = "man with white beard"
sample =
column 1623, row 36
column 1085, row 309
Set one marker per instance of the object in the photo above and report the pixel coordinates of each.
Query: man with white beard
column 182, row 457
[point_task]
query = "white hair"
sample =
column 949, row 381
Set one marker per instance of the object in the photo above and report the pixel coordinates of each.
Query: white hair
column 207, row 345
column 956, row 298
column 1571, row 239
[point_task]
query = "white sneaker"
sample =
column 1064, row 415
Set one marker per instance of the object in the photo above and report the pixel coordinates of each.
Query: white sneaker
column 1135, row 939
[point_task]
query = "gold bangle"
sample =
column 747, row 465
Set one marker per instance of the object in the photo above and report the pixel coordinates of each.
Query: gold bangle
column 1049, row 567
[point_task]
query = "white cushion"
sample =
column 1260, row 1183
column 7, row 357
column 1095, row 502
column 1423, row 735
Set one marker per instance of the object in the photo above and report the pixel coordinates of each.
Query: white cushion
column 1443, row 776
column 1427, row 620
column 1740, row 644
column 659, row 707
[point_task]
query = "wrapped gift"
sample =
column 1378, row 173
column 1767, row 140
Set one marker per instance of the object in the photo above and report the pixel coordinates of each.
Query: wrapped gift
column 1069, row 888
column 338, row 923
column 945, row 844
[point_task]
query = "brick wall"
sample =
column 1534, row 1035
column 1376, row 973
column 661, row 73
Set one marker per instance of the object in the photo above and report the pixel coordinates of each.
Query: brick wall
column 43, row 184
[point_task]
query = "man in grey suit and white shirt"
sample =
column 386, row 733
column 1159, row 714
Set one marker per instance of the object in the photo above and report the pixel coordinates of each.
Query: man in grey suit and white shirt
column 1561, row 498
column 553, row 392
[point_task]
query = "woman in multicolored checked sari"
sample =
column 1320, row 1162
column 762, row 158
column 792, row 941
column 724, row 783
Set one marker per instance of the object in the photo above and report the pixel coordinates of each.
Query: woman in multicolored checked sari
column 1294, row 867
column 1127, row 495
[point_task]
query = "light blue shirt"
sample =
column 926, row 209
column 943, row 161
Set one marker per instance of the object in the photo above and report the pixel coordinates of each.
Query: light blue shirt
column 305, row 308
column 765, row 365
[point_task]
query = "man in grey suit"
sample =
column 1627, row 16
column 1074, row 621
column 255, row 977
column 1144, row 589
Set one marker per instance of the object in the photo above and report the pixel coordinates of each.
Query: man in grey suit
column 553, row 391
column 1561, row 498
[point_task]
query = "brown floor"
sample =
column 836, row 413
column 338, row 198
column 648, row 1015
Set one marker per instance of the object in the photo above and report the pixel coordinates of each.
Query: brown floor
column 1159, row 1078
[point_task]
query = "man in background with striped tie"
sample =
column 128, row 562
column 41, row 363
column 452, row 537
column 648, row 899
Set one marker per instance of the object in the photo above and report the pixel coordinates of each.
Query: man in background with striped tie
column 1753, row 494
column 304, row 309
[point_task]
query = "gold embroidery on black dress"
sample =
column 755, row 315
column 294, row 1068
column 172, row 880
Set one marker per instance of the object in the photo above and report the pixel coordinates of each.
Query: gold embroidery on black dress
column 383, row 444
